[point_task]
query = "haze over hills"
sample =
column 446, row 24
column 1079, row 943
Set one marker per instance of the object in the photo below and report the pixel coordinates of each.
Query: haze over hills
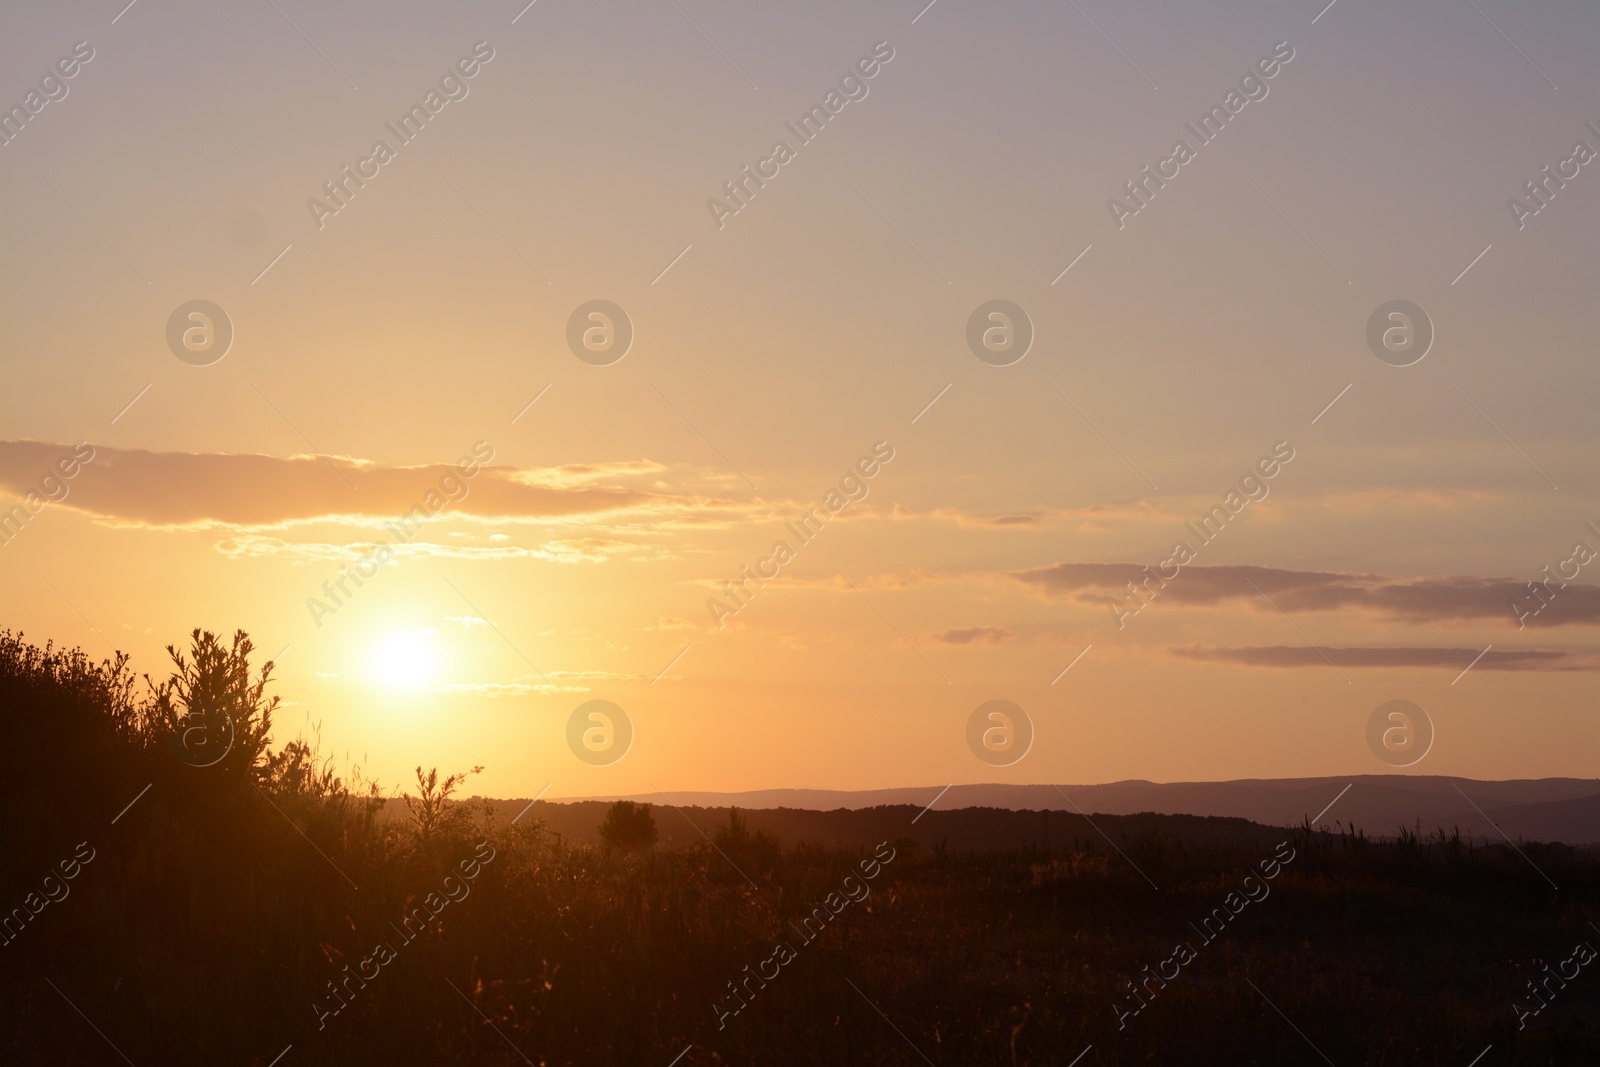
column 1548, row 809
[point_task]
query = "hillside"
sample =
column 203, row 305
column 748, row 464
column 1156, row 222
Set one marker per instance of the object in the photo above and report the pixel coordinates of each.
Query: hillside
column 1544, row 809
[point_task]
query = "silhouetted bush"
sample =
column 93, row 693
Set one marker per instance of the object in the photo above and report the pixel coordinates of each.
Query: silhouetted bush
column 628, row 827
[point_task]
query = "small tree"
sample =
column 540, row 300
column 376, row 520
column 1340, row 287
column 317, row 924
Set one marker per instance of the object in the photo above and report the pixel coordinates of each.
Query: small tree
column 431, row 814
column 215, row 713
column 629, row 827
column 753, row 853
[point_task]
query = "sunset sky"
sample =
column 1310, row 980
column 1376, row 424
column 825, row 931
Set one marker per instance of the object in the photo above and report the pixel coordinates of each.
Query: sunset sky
column 1189, row 346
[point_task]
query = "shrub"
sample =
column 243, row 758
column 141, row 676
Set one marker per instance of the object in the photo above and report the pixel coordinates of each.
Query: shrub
column 629, row 827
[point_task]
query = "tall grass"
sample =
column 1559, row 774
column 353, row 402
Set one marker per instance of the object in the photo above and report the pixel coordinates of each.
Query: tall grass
column 221, row 904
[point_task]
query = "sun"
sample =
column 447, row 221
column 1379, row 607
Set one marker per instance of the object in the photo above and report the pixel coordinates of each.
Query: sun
column 405, row 660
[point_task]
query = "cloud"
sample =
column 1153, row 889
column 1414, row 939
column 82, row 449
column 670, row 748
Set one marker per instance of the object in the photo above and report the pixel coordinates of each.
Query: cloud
column 1442, row 598
column 553, row 682
column 1511, row 659
column 1142, row 514
column 592, row 676
column 1089, row 519
column 967, row 518
column 916, row 576
column 201, row 490
column 666, row 624
column 580, row 550
column 507, row 689
column 571, row 474
column 986, row 635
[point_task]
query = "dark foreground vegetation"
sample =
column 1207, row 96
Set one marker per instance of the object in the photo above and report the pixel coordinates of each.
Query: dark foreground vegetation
column 164, row 906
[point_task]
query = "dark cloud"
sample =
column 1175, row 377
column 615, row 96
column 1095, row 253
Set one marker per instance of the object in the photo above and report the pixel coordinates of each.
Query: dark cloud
column 1430, row 599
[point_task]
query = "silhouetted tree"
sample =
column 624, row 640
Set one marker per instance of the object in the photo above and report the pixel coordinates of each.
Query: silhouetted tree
column 755, row 853
column 431, row 814
column 629, row 827
column 216, row 714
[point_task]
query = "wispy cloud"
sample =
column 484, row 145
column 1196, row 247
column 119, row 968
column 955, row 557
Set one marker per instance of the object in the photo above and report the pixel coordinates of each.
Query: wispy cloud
column 1511, row 659
column 577, row 550
column 667, row 625
column 212, row 489
column 969, row 518
column 572, row 474
column 974, row 635
column 553, row 682
column 508, row 689
column 1441, row 598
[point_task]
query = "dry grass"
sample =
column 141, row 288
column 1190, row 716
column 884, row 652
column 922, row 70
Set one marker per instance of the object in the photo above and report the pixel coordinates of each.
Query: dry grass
column 218, row 907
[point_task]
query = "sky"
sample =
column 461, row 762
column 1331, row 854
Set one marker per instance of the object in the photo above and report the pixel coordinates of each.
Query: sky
column 413, row 343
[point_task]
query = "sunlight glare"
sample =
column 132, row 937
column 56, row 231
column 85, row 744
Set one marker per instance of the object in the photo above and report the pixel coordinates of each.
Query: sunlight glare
column 405, row 660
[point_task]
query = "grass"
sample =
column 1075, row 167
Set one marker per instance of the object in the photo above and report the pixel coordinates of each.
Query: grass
column 220, row 905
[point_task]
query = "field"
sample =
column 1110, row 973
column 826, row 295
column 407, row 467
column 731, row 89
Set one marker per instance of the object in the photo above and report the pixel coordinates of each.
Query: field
column 160, row 912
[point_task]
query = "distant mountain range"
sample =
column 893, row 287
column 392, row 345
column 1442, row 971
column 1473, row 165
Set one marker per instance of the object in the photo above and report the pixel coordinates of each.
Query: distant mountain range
column 1535, row 809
